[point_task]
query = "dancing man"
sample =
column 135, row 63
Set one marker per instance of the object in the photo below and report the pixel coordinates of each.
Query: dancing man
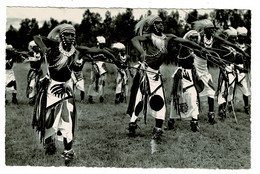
column 98, row 74
column 77, row 77
column 150, row 96
column 186, row 86
column 210, row 40
column 55, row 110
column 35, row 72
column 227, row 76
column 10, row 82
column 122, row 73
column 241, row 61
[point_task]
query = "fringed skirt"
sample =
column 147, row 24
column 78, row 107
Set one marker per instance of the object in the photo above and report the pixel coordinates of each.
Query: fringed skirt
column 55, row 110
column 9, row 81
column 150, row 96
column 122, row 82
column 98, row 78
column 78, row 80
column 184, row 104
column 33, row 78
column 226, row 84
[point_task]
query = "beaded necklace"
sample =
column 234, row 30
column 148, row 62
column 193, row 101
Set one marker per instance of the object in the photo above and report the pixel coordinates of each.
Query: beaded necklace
column 66, row 53
column 63, row 57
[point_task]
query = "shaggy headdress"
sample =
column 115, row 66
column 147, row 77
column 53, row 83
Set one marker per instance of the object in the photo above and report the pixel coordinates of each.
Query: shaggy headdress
column 146, row 22
column 200, row 25
column 192, row 33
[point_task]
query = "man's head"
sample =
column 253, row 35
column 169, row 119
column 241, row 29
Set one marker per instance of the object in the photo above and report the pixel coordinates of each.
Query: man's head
column 156, row 23
column 205, row 26
column 193, row 36
column 150, row 24
column 119, row 48
column 101, row 41
column 67, row 34
column 33, row 47
column 231, row 34
column 241, row 34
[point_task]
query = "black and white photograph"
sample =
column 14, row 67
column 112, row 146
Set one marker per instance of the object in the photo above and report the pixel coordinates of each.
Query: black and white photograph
column 129, row 86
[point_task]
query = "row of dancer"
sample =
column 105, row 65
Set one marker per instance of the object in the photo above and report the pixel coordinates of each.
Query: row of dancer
column 56, row 95
column 98, row 73
column 190, row 78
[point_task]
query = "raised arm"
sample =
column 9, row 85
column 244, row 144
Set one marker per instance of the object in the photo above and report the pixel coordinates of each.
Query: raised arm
column 43, row 42
column 136, row 41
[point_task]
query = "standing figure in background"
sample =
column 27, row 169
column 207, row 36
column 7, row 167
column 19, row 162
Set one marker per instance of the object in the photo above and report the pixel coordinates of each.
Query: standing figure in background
column 35, row 72
column 243, row 78
column 55, row 113
column 98, row 74
column 77, row 77
column 122, row 73
column 227, row 76
column 10, row 82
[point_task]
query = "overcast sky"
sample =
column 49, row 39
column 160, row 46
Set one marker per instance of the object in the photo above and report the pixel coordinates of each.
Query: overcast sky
column 72, row 10
column 72, row 14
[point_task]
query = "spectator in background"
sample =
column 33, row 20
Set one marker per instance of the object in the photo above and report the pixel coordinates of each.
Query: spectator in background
column 243, row 78
column 35, row 72
column 98, row 73
column 10, row 81
column 122, row 73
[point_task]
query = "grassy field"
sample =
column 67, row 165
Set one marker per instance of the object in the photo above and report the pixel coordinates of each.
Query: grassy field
column 102, row 141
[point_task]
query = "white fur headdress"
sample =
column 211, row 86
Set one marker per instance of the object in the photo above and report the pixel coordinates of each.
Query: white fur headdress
column 118, row 46
column 241, row 31
column 101, row 39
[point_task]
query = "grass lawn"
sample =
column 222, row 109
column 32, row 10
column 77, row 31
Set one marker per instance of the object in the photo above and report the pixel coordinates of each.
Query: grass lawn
column 102, row 141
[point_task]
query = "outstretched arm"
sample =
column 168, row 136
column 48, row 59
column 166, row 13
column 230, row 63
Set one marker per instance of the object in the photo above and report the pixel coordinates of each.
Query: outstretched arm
column 185, row 42
column 230, row 44
column 93, row 50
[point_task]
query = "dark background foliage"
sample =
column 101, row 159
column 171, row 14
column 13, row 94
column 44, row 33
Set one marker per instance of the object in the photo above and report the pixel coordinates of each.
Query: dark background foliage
column 120, row 28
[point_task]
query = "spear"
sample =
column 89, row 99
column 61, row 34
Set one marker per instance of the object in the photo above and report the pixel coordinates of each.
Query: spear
column 234, row 113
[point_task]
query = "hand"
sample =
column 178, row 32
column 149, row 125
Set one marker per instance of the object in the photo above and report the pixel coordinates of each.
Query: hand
column 120, row 65
column 142, row 57
column 45, row 50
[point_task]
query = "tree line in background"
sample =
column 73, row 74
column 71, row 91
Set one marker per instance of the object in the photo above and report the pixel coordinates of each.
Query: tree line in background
column 120, row 28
